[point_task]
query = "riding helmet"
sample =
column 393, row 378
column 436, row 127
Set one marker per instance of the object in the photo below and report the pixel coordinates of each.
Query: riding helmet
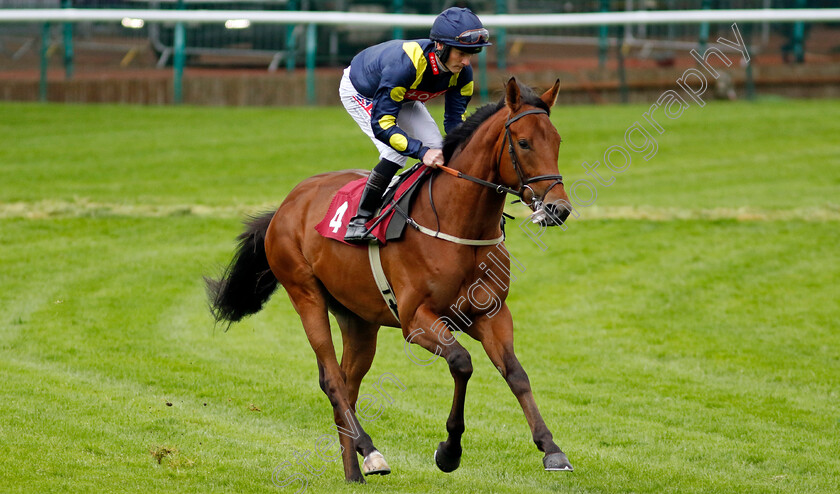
column 461, row 28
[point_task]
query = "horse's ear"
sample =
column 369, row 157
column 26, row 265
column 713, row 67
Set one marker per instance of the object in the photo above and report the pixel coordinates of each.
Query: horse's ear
column 550, row 96
column 513, row 98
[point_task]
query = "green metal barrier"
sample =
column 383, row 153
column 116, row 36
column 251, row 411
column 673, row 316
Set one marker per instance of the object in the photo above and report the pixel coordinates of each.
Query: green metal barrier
column 45, row 44
column 335, row 45
column 180, row 58
column 68, row 43
column 311, row 47
column 501, row 38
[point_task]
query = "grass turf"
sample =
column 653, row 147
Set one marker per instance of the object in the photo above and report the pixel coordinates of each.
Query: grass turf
column 675, row 355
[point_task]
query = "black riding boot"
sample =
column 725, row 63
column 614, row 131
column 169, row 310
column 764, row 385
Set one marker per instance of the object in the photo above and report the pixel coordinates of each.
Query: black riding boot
column 371, row 201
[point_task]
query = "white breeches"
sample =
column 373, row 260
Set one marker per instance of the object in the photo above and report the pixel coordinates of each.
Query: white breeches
column 414, row 119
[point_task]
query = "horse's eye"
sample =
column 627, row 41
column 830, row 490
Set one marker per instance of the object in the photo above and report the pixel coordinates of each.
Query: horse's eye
column 523, row 143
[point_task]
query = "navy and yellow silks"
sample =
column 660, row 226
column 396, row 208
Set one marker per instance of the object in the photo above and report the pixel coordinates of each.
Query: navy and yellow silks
column 396, row 71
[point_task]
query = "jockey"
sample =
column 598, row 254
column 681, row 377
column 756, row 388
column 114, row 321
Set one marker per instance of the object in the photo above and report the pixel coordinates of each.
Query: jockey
column 385, row 89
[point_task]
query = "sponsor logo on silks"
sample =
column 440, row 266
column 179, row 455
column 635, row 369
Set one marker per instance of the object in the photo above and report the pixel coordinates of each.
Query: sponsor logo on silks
column 422, row 95
column 365, row 103
column 434, row 63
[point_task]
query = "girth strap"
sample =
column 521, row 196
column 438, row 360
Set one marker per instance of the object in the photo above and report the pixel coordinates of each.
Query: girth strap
column 381, row 280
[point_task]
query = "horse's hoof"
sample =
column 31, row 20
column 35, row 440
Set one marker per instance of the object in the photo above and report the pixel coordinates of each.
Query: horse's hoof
column 446, row 461
column 557, row 462
column 375, row 464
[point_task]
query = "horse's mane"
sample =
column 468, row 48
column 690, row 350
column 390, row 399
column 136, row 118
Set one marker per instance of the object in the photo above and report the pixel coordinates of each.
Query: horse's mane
column 462, row 133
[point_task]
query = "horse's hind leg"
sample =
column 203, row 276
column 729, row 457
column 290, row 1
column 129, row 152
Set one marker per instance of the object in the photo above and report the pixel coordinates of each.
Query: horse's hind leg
column 496, row 336
column 310, row 302
column 358, row 350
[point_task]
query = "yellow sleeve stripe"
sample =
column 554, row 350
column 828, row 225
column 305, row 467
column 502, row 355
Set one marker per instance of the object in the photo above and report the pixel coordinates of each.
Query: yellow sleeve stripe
column 415, row 53
column 398, row 142
column 387, row 121
column 397, row 94
column 467, row 90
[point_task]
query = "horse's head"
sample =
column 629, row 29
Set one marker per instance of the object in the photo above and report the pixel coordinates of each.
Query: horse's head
column 530, row 152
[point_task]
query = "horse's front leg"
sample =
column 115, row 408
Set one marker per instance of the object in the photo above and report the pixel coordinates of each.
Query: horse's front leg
column 425, row 330
column 496, row 336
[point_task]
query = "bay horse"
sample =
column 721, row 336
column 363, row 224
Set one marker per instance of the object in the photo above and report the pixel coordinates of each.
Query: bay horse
column 512, row 146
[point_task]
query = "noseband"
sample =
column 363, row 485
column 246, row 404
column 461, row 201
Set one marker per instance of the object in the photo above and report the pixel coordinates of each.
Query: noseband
column 524, row 183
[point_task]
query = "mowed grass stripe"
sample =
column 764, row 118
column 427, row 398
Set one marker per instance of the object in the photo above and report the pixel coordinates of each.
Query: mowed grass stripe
column 772, row 155
column 82, row 208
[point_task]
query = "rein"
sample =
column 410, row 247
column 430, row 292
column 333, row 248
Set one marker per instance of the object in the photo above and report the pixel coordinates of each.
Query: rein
column 501, row 189
column 525, row 182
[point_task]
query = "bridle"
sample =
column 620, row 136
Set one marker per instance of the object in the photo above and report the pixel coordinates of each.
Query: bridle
column 524, row 183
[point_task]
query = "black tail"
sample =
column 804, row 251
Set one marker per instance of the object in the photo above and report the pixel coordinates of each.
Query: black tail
column 247, row 282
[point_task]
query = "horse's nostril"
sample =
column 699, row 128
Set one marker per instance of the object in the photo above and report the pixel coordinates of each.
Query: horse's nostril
column 564, row 214
column 556, row 215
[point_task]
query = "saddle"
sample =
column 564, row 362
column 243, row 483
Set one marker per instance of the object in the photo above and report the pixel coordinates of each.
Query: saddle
column 390, row 222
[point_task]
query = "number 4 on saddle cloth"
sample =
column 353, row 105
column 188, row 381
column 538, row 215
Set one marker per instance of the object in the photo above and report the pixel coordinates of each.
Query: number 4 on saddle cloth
column 387, row 225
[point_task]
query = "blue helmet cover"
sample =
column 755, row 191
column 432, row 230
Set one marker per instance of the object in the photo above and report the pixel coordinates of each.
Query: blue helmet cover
column 453, row 22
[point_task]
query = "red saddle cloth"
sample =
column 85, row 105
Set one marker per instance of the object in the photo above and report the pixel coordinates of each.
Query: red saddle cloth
column 345, row 203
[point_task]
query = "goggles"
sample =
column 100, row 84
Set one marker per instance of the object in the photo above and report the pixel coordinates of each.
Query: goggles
column 473, row 36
